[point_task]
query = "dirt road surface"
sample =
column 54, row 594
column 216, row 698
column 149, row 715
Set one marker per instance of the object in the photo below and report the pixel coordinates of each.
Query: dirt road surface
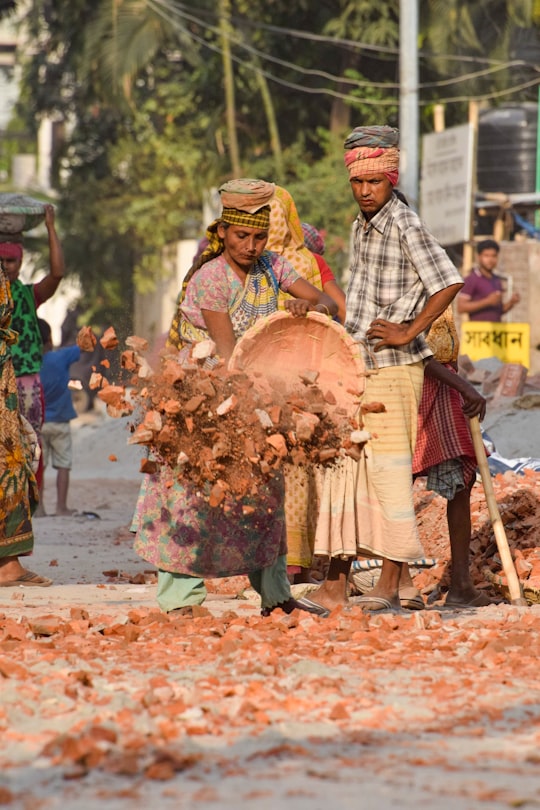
column 107, row 703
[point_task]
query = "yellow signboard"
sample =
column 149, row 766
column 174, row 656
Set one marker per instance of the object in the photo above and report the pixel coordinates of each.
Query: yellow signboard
column 510, row 342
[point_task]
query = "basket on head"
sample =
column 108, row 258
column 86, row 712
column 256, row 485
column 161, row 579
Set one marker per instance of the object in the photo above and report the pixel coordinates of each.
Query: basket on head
column 18, row 213
column 284, row 350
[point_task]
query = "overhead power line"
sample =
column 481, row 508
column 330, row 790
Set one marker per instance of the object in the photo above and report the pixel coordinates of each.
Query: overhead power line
column 256, row 69
column 346, row 79
column 387, row 50
column 163, row 9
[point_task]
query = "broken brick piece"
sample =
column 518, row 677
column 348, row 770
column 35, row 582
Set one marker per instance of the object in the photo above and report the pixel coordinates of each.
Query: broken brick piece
column 193, row 404
column 109, row 340
column 112, row 394
column 309, row 376
column 128, row 360
column 148, row 466
column 136, row 343
column 86, row 340
column 278, row 443
column 513, row 376
column 373, row 407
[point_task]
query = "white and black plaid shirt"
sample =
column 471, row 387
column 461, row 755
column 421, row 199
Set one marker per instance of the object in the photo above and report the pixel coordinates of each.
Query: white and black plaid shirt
column 396, row 266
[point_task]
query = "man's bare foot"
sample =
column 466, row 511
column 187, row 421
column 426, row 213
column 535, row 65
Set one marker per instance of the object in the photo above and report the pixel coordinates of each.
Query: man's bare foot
column 39, row 511
column 467, row 598
column 65, row 512
column 329, row 597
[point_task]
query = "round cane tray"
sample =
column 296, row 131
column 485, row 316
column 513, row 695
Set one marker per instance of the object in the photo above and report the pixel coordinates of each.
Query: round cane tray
column 287, row 351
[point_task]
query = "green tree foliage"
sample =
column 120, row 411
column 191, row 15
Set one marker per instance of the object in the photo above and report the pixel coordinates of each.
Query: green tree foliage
column 491, row 46
column 139, row 84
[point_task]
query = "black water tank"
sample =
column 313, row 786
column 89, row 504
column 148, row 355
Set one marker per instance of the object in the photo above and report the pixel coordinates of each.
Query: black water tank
column 506, row 159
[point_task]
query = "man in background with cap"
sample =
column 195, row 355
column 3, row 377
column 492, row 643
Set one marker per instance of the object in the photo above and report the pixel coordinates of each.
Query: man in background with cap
column 401, row 281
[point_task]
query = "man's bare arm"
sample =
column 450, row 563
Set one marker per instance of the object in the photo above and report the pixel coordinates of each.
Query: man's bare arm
column 399, row 334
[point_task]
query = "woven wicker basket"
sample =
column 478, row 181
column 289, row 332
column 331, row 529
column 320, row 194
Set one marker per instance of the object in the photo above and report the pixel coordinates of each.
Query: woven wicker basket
column 281, row 348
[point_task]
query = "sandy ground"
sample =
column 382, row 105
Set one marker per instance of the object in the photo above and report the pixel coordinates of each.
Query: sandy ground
column 107, row 703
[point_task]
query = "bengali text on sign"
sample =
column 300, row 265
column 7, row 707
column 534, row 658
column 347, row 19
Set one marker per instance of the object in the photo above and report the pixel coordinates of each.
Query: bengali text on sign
column 510, row 342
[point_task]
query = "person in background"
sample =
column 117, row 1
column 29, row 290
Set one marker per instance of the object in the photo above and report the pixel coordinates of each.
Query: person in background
column 314, row 241
column 27, row 298
column 286, row 238
column 401, row 282
column 18, row 486
column 445, row 453
column 481, row 297
column 59, row 411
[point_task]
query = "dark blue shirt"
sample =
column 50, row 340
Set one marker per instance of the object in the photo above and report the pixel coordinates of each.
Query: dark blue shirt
column 54, row 375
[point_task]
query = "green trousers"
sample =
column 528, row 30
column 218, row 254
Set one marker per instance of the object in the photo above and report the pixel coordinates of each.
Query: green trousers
column 180, row 590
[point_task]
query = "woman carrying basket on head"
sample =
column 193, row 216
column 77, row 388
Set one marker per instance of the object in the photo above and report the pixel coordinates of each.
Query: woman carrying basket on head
column 18, row 444
column 234, row 283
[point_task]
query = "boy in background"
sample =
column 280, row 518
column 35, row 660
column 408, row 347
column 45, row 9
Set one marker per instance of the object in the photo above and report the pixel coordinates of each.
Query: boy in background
column 59, row 411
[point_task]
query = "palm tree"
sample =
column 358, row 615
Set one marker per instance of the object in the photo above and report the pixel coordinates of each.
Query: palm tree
column 124, row 37
column 468, row 38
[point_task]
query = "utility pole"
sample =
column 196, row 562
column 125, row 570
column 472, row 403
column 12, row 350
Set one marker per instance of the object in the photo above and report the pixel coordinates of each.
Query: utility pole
column 408, row 99
column 228, row 80
column 537, row 212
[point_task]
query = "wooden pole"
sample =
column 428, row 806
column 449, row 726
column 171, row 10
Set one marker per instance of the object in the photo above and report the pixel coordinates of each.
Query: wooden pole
column 514, row 585
column 468, row 247
column 228, row 81
column 438, row 118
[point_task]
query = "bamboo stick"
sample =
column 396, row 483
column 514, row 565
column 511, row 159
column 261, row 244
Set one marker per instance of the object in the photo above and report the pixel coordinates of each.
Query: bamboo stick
column 514, row 585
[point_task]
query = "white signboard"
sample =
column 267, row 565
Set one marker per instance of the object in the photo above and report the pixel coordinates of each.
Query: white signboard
column 446, row 187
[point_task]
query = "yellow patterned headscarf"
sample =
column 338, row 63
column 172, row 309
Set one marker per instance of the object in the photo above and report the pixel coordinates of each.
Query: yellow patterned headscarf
column 286, row 237
column 259, row 219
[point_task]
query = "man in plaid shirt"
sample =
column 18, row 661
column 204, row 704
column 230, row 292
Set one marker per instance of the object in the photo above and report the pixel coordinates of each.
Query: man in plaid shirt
column 401, row 281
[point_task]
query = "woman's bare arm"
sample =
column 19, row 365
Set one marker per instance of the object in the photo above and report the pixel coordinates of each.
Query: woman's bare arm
column 309, row 299
column 220, row 329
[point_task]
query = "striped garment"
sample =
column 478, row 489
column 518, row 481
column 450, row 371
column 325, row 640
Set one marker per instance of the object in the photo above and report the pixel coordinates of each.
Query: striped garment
column 443, row 431
column 367, row 505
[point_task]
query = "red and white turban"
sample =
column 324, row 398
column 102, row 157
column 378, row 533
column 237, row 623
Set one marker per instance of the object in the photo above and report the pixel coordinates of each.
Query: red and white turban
column 373, row 150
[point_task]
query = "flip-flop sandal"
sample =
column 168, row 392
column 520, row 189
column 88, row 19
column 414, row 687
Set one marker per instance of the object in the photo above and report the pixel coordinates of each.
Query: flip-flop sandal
column 384, row 605
column 371, row 563
column 416, row 603
column 87, row 515
column 410, row 599
column 312, row 607
column 28, row 579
